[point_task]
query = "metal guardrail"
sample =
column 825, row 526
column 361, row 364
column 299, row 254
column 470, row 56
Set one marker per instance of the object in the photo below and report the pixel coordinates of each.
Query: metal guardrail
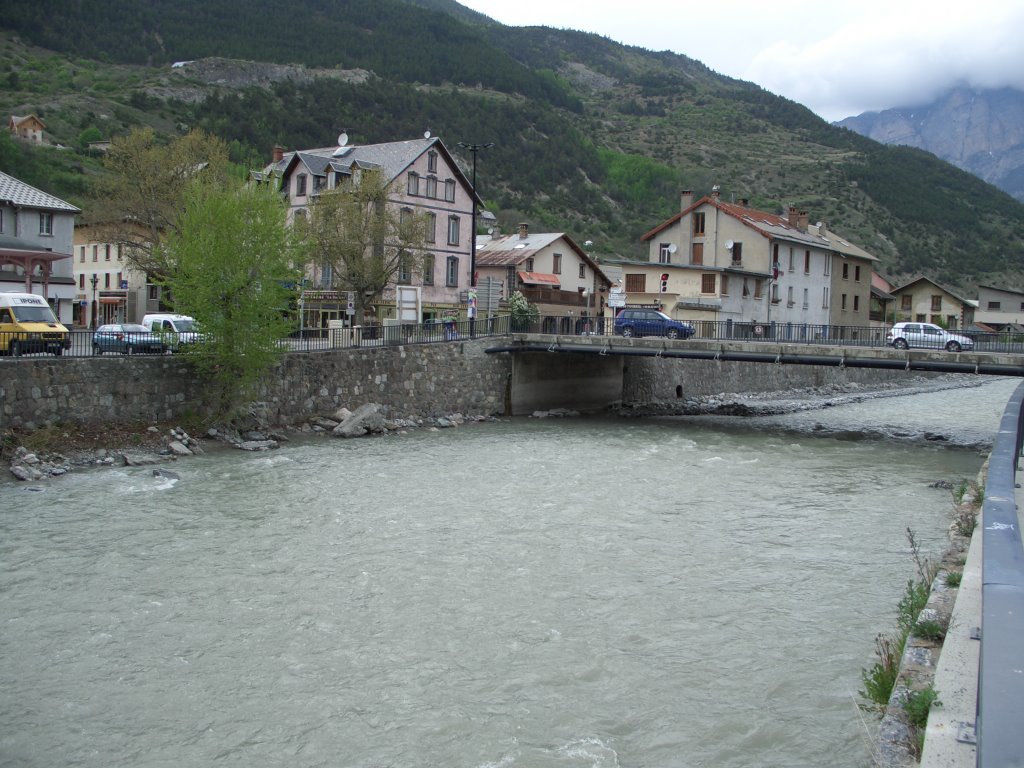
column 1001, row 668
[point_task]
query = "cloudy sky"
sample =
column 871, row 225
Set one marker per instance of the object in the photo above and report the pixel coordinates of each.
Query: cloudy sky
column 837, row 57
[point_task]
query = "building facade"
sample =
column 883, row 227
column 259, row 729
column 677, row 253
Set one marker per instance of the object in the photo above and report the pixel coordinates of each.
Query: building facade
column 36, row 235
column 925, row 301
column 1000, row 307
column 551, row 271
column 108, row 289
column 728, row 262
column 424, row 179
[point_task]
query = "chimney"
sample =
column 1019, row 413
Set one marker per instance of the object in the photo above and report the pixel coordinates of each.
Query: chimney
column 793, row 216
column 715, row 192
column 277, row 153
column 823, row 228
column 804, row 219
column 495, row 233
column 685, row 199
column 524, row 231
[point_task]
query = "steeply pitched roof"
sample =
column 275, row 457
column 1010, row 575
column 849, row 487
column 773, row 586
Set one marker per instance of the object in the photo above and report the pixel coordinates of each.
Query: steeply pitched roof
column 18, row 193
column 513, row 250
column 392, row 157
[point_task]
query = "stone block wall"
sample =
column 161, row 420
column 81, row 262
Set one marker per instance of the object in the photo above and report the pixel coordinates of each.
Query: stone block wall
column 426, row 380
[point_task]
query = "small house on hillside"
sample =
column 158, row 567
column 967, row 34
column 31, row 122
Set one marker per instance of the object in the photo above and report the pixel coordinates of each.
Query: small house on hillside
column 28, row 128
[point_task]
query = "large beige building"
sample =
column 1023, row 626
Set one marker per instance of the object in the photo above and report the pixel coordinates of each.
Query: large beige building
column 718, row 261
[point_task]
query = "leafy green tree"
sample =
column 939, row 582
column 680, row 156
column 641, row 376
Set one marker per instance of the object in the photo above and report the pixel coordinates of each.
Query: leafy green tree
column 90, row 134
column 233, row 255
column 366, row 242
column 140, row 200
column 524, row 314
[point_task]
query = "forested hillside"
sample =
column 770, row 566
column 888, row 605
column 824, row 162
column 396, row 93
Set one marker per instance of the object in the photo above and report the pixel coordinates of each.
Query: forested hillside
column 589, row 135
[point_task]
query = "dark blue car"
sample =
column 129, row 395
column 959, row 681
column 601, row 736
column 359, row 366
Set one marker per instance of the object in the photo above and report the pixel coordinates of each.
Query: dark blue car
column 650, row 322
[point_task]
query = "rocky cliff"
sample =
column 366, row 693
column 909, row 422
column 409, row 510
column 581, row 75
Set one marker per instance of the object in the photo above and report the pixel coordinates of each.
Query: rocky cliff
column 981, row 132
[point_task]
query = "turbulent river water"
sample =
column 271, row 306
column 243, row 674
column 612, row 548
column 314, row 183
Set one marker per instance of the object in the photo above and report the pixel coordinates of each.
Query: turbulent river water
column 596, row 592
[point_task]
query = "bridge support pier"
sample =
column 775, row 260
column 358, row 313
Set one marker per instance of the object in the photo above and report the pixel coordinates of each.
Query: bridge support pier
column 542, row 381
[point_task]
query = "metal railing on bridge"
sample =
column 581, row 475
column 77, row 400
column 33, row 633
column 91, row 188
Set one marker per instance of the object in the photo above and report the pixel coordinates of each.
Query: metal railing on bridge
column 84, row 342
column 1001, row 670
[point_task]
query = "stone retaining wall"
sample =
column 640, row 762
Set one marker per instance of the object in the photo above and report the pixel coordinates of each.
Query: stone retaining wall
column 427, row 380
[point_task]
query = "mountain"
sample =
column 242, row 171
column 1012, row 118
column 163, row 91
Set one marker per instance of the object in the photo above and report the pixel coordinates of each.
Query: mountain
column 590, row 136
column 980, row 131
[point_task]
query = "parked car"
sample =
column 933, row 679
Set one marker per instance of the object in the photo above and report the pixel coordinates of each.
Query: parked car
column 177, row 330
column 650, row 322
column 926, row 336
column 128, row 339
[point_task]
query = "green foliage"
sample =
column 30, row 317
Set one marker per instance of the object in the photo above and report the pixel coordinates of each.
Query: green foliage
column 930, row 629
column 89, row 135
column 524, row 314
column 919, row 704
column 953, row 578
column 45, row 168
column 232, row 257
column 914, row 599
column 140, row 199
column 375, row 37
column 880, row 679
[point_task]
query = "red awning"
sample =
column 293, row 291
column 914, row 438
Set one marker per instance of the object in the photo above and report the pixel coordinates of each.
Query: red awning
column 111, row 299
column 539, row 278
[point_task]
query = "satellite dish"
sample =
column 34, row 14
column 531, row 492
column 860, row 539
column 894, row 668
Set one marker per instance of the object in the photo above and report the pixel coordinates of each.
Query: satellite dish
column 342, row 139
column 426, row 134
column 728, row 245
column 672, row 248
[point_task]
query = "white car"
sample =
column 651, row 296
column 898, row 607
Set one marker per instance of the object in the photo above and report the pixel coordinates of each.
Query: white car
column 926, row 336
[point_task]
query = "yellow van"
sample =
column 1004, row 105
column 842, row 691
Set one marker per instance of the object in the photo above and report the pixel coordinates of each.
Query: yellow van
column 27, row 324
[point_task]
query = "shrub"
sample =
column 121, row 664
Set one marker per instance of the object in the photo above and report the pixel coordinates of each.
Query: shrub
column 880, row 679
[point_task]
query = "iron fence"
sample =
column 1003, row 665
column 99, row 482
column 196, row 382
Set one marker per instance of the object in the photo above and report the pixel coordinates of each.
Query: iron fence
column 83, row 342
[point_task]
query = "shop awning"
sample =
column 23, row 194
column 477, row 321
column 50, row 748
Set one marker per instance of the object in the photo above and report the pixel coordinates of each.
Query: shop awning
column 539, row 278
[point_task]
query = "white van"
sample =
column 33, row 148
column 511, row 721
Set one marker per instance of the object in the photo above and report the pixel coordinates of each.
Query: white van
column 174, row 329
column 27, row 324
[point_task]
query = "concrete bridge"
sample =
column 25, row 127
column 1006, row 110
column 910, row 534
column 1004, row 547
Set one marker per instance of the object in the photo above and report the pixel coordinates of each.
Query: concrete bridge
column 587, row 372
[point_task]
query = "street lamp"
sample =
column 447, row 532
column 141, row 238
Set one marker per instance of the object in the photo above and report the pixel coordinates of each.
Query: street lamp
column 95, row 279
column 473, row 149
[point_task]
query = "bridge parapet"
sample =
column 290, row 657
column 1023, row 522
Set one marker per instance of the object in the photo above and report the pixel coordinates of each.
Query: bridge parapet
column 782, row 353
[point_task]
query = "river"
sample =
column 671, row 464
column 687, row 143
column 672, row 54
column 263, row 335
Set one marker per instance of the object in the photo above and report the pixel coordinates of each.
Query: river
column 593, row 592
